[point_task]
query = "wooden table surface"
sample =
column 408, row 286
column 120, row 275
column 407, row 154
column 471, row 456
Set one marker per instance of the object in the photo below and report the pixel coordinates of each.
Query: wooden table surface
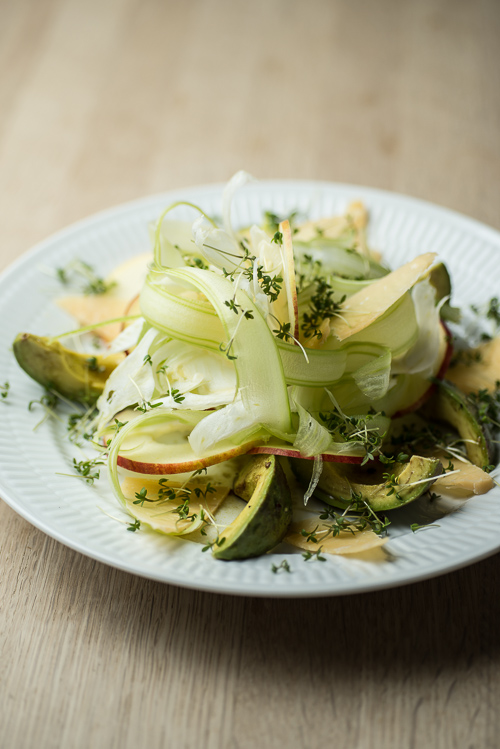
column 103, row 101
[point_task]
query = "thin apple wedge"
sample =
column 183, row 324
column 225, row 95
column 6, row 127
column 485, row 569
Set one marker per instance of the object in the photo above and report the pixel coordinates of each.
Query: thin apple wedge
column 157, row 444
column 170, row 507
column 287, row 451
column 477, row 368
column 126, row 282
column 289, row 278
column 371, row 303
column 301, row 534
column 276, row 258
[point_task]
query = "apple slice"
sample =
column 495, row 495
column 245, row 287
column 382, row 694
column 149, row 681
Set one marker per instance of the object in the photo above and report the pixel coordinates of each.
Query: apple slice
column 276, row 258
column 173, row 460
column 176, row 458
column 289, row 278
column 372, row 302
column 288, row 451
column 117, row 302
column 162, row 514
column 479, row 369
column 469, row 480
column 336, row 227
column 158, row 445
column 345, row 542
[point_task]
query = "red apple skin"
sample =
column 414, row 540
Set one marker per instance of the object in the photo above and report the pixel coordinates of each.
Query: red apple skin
column 289, row 452
column 440, row 375
column 166, row 469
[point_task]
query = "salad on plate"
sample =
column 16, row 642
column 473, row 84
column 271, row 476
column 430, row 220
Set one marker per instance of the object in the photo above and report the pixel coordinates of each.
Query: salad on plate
column 271, row 384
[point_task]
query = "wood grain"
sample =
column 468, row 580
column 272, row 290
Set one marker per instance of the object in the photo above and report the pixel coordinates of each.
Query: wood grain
column 104, row 101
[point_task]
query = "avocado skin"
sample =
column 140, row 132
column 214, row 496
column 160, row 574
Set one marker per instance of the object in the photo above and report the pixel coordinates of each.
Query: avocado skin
column 263, row 523
column 450, row 405
column 338, row 482
column 78, row 377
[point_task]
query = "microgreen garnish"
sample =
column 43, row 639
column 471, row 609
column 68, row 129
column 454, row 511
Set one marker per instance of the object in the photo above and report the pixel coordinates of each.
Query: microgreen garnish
column 93, row 283
column 4, row 391
column 142, row 496
column 49, row 402
column 389, row 459
column 283, row 331
column 272, row 220
column 356, row 429
column 225, row 349
column 493, row 311
column 164, row 491
column 203, row 493
column 218, row 542
column 134, row 526
column 314, row 555
column 487, row 405
column 74, row 420
column 428, row 437
column 82, row 425
column 147, row 360
column 86, row 469
column 195, row 262
column 278, row 238
column 322, row 306
column 468, row 357
column 391, row 483
column 183, row 511
column 365, row 518
column 489, row 311
column 270, row 285
column 147, row 406
column 235, row 307
column 282, row 567
column 199, row 472
column 62, row 275
column 416, row 527
column 93, row 365
column 175, row 394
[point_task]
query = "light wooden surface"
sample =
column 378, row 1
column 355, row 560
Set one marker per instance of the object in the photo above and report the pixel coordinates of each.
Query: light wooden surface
column 103, row 101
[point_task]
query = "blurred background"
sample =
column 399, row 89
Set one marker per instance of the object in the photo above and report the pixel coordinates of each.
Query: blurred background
column 104, row 101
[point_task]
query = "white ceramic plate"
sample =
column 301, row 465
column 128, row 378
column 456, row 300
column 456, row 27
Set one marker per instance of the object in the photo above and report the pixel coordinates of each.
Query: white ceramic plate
column 72, row 512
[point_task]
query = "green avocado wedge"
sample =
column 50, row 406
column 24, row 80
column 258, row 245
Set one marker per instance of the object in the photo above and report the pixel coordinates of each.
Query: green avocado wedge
column 382, row 487
column 450, row 405
column 78, row 377
column 262, row 524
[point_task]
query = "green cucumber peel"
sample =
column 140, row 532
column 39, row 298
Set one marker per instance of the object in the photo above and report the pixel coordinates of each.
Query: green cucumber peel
column 259, row 371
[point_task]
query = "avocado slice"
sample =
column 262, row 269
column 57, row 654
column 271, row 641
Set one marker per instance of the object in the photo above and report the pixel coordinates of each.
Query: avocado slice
column 340, row 483
column 78, row 377
column 248, row 477
column 450, row 405
column 262, row 524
